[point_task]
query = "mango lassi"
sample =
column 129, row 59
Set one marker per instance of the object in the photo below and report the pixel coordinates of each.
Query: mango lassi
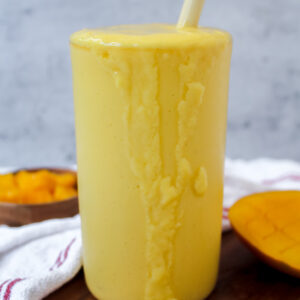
column 150, row 110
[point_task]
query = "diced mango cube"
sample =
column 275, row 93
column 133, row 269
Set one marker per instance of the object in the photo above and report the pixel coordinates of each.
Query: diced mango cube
column 7, row 181
column 62, row 193
column 35, row 180
column 65, row 179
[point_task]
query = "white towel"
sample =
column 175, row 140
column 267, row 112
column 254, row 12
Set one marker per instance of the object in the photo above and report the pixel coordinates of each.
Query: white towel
column 39, row 258
column 247, row 177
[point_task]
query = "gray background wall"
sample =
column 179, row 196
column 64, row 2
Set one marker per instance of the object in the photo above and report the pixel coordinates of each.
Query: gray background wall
column 36, row 109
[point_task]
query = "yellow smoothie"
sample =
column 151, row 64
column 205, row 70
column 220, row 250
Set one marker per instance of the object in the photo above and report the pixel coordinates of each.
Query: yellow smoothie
column 150, row 107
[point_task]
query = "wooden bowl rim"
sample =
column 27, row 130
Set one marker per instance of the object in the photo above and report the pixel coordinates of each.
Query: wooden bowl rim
column 31, row 205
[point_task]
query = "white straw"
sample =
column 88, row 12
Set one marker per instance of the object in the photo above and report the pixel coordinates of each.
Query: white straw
column 190, row 13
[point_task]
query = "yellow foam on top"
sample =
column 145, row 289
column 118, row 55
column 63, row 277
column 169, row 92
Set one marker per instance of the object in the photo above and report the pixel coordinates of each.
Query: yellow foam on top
column 149, row 36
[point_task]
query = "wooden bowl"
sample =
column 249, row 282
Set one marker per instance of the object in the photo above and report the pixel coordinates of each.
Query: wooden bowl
column 21, row 214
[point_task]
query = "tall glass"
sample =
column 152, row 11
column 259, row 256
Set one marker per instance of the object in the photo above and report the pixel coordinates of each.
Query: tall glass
column 150, row 110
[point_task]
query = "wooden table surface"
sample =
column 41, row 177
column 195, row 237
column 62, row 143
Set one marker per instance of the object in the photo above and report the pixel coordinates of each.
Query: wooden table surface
column 242, row 277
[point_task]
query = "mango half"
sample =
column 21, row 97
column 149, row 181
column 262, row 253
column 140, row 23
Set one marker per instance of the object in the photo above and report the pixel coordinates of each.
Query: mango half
column 269, row 224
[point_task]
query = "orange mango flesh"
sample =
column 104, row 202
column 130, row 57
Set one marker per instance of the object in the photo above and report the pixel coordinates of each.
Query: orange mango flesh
column 269, row 224
column 35, row 187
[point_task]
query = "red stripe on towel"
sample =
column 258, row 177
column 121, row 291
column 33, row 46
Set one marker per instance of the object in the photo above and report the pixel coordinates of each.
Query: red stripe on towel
column 292, row 177
column 68, row 249
column 57, row 262
column 10, row 287
column 63, row 255
column 3, row 283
